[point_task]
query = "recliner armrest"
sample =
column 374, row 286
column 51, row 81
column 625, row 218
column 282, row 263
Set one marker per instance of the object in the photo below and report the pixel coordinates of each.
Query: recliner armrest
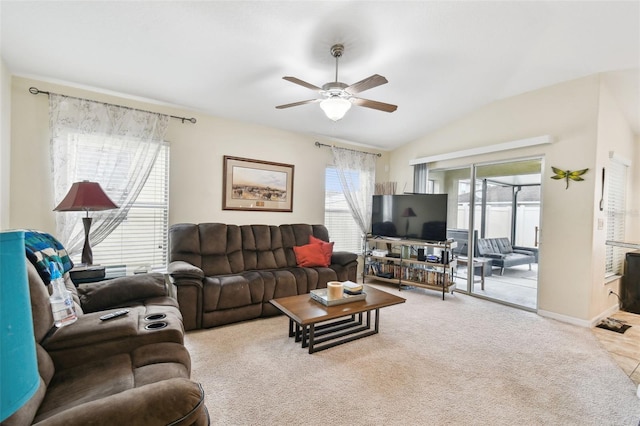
column 181, row 269
column 171, row 401
column 343, row 258
column 120, row 291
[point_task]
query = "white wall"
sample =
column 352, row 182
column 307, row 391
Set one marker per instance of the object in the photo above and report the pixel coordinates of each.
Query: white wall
column 5, row 143
column 569, row 113
column 196, row 162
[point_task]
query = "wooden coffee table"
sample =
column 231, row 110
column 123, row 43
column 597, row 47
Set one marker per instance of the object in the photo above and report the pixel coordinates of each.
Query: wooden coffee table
column 320, row 327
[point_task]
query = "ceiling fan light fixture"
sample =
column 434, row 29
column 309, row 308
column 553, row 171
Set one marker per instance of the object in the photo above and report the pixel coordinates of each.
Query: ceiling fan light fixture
column 335, row 107
column 338, row 96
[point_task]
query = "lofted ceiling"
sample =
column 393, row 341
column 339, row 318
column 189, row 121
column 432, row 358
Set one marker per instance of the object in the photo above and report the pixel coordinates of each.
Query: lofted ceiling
column 442, row 59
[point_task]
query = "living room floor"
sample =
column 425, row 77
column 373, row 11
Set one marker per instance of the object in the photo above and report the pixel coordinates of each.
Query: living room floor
column 624, row 347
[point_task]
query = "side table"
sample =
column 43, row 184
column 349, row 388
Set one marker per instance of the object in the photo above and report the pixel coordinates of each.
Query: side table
column 481, row 267
column 110, row 272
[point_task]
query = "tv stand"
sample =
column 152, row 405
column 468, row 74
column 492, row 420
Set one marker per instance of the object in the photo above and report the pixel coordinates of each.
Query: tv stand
column 407, row 270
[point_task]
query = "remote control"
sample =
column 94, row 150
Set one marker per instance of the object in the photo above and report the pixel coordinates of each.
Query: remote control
column 114, row 314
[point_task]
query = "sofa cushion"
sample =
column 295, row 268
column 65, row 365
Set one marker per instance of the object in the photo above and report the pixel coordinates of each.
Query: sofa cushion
column 226, row 292
column 279, row 283
column 262, row 247
column 221, row 249
column 327, row 248
column 311, row 255
column 504, row 246
column 298, row 235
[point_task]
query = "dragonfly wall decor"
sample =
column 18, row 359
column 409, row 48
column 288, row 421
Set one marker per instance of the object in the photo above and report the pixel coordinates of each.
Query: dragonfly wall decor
column 568, row 175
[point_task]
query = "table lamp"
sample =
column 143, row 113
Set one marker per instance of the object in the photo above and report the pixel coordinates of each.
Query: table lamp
column 86, row 196
column 19, row 375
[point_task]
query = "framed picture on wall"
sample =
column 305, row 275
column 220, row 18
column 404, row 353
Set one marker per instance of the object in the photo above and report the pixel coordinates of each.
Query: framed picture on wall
column 257, row 185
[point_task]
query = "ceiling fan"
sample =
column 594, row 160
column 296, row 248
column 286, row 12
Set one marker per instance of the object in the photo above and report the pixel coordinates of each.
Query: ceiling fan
column 338, row 97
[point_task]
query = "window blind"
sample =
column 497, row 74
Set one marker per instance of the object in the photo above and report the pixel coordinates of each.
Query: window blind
column 616, row 205
column 343, row 229
column 141, row 239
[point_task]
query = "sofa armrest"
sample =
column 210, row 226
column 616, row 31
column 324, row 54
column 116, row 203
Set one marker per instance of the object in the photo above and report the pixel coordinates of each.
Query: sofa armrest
column 120, row 291
column 531, row 251
column 189, row 282
column 173, row 401
column 493, row 255
column 181, row 269
column 343, row 258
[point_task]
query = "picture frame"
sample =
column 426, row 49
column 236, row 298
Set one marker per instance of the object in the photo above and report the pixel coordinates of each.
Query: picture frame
column 257, row 185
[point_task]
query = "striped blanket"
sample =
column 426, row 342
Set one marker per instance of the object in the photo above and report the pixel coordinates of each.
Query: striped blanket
column 43, row 249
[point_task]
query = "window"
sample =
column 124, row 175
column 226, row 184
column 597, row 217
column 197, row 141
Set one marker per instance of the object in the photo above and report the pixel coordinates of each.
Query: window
column 337, row 216
column 616, row 205
column 140, row 240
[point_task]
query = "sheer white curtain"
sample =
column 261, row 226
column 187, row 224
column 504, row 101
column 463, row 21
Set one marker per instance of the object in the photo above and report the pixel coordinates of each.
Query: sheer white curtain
column 115, row 146
column 420, row 178
column 357, row 174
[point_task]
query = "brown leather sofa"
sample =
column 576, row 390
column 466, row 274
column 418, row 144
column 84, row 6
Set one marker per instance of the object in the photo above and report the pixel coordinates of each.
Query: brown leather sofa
column 228, row 273
column 112, row 372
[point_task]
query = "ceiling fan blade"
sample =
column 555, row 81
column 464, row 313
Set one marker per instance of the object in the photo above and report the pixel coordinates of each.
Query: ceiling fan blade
column 374, row 104
column 302, row 83
column 310, row 101
column 366, row 84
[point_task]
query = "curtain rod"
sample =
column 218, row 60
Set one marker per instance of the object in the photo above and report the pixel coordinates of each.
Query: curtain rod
column 318, row 144
column 35, row 91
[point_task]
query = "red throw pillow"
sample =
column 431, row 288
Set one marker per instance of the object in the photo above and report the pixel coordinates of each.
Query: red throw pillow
column 327, row 248
column 310, row 255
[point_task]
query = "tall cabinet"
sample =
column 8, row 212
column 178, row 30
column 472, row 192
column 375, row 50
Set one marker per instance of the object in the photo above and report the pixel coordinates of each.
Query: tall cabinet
column 411, row 263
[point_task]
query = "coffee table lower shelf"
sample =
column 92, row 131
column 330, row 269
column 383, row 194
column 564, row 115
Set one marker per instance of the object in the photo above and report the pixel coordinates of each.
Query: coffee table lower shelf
column 319, row 327
column 325, row 335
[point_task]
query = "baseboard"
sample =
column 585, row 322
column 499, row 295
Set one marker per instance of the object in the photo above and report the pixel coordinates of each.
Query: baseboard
column 579, row 322
column 564, row 318
column 612, row 310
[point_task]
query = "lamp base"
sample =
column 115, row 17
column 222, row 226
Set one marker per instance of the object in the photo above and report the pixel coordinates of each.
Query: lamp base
column 87, row 254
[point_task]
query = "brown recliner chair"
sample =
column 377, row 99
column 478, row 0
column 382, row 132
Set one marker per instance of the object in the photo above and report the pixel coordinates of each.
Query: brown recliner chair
column 111, row 372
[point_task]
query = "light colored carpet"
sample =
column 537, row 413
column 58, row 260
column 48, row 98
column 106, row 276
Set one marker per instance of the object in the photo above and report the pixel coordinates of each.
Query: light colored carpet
column 461, row 361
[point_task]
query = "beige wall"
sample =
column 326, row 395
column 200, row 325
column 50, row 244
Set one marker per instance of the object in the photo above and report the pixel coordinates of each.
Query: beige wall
column 571, row 285
column 614, row 136
column 5, row 143
column 196, row 162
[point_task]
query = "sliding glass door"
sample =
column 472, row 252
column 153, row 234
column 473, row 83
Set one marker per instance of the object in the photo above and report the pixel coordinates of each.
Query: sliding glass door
column 500, row 204
column 457, row 184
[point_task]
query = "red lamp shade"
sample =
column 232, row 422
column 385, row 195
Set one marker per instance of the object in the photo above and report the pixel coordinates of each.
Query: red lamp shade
column 86, row 196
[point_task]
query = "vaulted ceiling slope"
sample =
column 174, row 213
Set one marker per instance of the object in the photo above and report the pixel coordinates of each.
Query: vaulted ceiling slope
column 227, row 58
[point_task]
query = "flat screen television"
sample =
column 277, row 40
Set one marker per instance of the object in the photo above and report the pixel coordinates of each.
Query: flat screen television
column 410, row 216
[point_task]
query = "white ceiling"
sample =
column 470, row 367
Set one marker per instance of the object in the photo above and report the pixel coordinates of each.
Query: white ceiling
column 227, row 58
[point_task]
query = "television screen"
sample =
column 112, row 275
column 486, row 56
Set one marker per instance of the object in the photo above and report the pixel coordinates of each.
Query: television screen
column 410, row 216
